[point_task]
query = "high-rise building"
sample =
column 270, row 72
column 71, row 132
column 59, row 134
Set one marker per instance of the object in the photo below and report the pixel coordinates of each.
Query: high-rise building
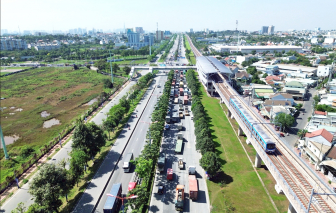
column 264, row 29
column 138, row 30
column 26, row 32
column 13, row 44
column 167, row 33
column 133, row 37
column 128, row 30
column 4, row 31
column 191, row 30
column 159, row 35
column 149, row 39
column 271, row 30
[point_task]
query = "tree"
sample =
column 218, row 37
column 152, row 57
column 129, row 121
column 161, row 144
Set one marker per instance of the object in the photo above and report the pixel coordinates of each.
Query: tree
column 115, row 67
column 89, row 138
column 302, row 132
column 109, row 125
column 127, row 70
column 107, row 83
column 75, row 67
column 284, row 119
column 142, row 198
column 265, row 75
column 298, row 107
column 253, row 52
column 20, row 208
column 48, row 186
column 210, row 163
column 77, row 162
column 206, row 49
column 143, row 167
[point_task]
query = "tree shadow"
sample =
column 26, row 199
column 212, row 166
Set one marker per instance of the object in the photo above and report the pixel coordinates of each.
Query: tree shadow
column 222, row 177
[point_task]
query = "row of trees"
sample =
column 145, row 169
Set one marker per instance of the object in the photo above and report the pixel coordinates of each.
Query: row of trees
column 204, row 143
column 168, row 47
column 54, row 181
column 145, row 163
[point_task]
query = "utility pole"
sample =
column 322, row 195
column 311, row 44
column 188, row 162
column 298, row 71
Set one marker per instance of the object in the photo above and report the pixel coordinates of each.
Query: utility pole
column 237, row 34
column 4, row 144
column 111, row 66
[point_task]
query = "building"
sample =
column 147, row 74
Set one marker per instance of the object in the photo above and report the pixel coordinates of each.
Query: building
column 271, row 30
column 264, row 30
column 323, row 71
column 272, row 70
column 191, row 30
column 283, row 97
column 159, row 35
column 13, row 44
column 149, row 39
column 317, row 144
column 209, row 70
column 258, row 49
column 329, row 40
column 297, row 89
column 133, row 37
column 138, row 30
column 43, row 46
column 289, row 58
column 167, row 33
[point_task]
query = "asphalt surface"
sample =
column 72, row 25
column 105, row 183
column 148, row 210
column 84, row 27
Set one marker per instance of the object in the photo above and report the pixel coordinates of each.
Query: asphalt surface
column 22, row 195
column 302, row 119
column 165, row 203
column 135, row 145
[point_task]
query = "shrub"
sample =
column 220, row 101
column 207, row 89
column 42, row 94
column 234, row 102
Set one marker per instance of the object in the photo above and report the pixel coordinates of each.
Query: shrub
column 25, row 181
column 26, row 151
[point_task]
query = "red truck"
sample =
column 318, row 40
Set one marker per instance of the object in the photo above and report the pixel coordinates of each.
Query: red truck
column 185, row 100
column 169, row 174
column 193, row 187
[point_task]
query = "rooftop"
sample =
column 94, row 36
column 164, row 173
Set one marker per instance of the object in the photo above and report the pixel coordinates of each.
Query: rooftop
column 211, row 65
column 321, row 132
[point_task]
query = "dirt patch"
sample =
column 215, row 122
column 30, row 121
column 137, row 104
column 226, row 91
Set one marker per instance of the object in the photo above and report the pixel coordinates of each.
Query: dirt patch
column 51, row 122
column 10, row 139
column 91, row 102
column 12, row 113
column 12, row 108
column 44, row 114
column 19, row 110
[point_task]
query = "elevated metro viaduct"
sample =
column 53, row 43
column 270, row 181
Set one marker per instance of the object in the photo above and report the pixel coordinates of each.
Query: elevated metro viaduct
column 305, row 190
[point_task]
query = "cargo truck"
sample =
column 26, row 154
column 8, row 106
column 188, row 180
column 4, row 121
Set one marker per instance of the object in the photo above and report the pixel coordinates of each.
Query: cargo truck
column 181, row 115
column 193, row 187
column 112, row 204
column 127, row 162
column 176, row 101
column 161, row 161
column 180, row 163
column 179, row 198
column 178, row 148
column 185, row 100
column 170, row 174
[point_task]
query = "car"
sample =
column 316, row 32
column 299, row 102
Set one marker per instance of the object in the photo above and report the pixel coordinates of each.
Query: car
column 160, row 189
column 174, row 110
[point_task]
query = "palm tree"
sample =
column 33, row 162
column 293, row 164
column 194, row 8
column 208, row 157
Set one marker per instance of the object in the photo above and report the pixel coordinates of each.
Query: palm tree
column 302, row 132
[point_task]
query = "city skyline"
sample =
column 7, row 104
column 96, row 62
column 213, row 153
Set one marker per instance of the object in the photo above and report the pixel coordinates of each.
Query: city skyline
column 175, row 16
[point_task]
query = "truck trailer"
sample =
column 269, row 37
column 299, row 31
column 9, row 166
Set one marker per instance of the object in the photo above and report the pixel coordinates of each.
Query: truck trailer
column 193, row 187
column 127, row 162
column 179, row 198
column 112, row 204
column 161, row 161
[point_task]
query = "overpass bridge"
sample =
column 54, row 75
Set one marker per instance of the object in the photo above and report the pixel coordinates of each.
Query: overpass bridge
column 294, row 177
column 160, row 67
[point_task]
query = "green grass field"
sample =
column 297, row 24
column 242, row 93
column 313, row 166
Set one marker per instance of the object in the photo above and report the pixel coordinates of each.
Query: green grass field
column 242, row 189
column 62, row 92
column 192, row 56
column 3, row 73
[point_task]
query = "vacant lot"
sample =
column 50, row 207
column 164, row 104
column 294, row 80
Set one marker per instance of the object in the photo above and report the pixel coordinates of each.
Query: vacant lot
column 238, row 187
column 61, row 92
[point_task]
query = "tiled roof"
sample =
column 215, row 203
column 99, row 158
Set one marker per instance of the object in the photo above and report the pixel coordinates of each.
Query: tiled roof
column 272, row 77
column 320, row 113
column 285, row 95
column 323, row 132
column 275, row 103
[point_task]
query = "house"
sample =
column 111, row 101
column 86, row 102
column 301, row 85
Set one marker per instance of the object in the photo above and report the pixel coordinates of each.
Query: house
column 234, row 69
column 317, row 144
column 274, row 78
column 243, row 76
column 289, row 58
column 297, row 89
column 320, row 113
column 277, row 103
column 272, row 70
column 323, row 71
column 283, row 97
column 276, row 110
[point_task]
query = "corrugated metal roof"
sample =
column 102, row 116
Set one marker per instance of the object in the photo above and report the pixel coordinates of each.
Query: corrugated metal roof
column 211, row 65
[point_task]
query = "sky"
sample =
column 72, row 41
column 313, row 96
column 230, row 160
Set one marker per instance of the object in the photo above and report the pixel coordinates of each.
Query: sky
column 173, row 15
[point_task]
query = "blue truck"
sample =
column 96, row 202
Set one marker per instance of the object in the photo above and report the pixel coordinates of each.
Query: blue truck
column 113, row 204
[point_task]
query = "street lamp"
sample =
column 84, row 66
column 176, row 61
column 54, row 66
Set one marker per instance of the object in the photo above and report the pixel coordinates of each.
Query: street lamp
column 123, row 198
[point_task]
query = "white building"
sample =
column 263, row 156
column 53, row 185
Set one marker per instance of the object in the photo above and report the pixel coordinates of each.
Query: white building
column 323, row 71
column 258, row 49
column 329, row 40
column 13, row 44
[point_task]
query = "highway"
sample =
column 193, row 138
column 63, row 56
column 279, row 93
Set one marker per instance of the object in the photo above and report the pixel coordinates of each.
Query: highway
column 165, row 203
column 22, row 195
column 135, row 145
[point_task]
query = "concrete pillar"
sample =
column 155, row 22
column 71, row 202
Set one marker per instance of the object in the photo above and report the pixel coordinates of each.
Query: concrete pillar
column 291, row 209
column 257, row 161
column 229, row 113
column 240, row 131
column 248, row 141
